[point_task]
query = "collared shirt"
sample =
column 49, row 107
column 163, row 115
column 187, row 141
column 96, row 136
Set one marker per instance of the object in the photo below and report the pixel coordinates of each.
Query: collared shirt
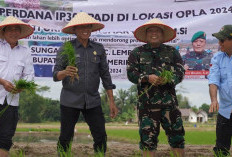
column 92, row 65
column 144, row 61
column 221, row 75
column 15, row 64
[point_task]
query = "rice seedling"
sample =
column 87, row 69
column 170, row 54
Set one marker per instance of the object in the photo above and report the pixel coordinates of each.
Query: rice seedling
column 23, row 84
column 20, row 85
column 166, row 75
column 172, row 154
column 220, row 153
column 18, row 153
column 69, row 52
column 99, row 154
column 62, row 153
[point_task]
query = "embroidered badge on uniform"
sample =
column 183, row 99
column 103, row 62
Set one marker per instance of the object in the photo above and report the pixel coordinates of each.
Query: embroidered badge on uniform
column 95, row 53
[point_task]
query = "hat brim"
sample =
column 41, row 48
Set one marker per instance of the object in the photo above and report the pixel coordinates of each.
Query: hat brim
column 218, row 36
column 26, row 30
column 95, row 27
column 81, row 19
column 140, row 32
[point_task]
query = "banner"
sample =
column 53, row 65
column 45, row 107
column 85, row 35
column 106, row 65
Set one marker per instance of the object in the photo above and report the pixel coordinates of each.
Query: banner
column 194, row 22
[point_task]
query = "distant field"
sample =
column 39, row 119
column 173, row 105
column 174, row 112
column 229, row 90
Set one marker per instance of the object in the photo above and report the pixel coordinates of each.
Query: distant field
column 201, row 135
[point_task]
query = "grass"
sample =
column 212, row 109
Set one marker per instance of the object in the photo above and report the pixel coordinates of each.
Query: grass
column 191, row 137
column 69, row 52
column 38, row 129
column 202, row 135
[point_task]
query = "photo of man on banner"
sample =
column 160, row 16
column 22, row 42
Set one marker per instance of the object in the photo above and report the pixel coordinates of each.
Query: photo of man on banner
column 199, row 58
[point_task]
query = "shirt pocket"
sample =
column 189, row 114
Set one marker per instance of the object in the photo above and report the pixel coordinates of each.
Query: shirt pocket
column 94, row 64
column 3, row 60
column 19, row 67
column 95, row 59
column 3, row 63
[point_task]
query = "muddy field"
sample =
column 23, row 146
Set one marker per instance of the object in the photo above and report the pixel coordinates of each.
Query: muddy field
column 114, row 150
column 44, row 145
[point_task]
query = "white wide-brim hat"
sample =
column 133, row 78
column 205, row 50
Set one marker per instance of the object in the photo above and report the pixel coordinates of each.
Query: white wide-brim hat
column 26, row 29
column 82, row 18
column 140, row 32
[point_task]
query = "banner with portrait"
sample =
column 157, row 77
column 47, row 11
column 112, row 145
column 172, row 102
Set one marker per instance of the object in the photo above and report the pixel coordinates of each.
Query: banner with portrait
column 194, row 22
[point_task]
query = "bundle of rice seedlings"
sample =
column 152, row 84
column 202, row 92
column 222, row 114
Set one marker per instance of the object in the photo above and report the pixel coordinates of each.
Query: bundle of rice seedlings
column 21, row 84
column 69, row 52
column 166, row 75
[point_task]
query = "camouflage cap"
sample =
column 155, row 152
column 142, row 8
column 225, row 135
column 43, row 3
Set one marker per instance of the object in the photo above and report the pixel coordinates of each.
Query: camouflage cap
column 224, row 33
column 199, row 34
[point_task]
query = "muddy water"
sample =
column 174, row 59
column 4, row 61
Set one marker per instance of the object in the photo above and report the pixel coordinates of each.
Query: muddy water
column 48, row 137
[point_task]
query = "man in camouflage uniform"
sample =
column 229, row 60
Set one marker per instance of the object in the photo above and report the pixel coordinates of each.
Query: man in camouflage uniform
column 198, row 59
column 157, row 101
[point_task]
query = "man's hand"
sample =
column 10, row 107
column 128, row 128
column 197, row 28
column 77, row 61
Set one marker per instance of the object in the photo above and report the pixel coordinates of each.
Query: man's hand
column 8, row 86
column 161, row 81
column 71, row 71
column 155, row 80
column 14, row 91
column 214, row 107
column 113, row 110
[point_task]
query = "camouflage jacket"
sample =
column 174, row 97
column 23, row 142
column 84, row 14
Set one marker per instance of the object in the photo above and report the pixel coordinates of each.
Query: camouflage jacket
column 197, row 61
column 144, row 61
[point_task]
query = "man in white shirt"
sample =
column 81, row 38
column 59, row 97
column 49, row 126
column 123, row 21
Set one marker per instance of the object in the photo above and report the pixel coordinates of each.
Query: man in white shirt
column 15, row 63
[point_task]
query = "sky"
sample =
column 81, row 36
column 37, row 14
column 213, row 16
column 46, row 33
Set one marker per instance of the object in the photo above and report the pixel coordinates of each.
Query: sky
column 197, row 91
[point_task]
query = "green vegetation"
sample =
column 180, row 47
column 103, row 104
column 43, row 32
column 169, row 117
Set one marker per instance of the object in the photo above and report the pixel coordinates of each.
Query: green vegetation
column 63, row 153
column 38, row 129
column 191, row 137
column 69, row 52
column 34, row 108
column 20, row 84
column 202, row 135
column 167, row 76
column 19, row 153
column 23, row 84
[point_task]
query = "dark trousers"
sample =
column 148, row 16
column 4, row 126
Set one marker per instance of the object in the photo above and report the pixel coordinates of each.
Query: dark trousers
column 94, row 118
column 8, row 123
column 224, row 134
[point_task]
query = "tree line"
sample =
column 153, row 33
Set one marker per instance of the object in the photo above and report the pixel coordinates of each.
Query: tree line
column 34, row 108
